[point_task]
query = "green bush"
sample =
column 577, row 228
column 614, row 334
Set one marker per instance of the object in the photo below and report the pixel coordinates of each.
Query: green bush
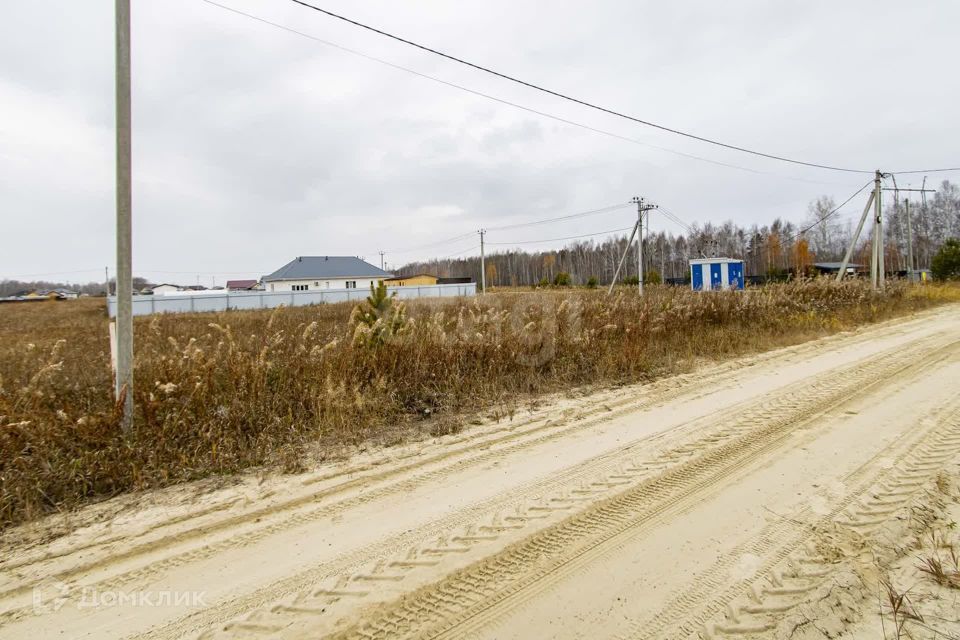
column 562, row 279
column 946, row 264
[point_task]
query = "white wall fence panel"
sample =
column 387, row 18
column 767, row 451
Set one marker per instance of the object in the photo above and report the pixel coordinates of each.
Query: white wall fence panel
column 146, row 305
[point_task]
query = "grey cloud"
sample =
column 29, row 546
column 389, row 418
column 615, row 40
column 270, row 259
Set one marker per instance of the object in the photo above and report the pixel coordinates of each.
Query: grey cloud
column 252, row 144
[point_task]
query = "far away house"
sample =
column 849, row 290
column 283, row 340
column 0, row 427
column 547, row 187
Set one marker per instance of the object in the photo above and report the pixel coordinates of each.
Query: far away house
column 308, row 273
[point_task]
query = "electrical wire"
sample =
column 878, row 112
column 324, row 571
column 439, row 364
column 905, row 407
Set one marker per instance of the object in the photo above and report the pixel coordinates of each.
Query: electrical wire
column 592, row 105
column 586, row 235
column 929, row 170
column 828, row 215
column 675, row 218
column 569, row 98
column 51, row 273
column 514, row 105
column 202, row 273
column 457, row 253
column 570, row 216
column 433, row 244
column 833, row 212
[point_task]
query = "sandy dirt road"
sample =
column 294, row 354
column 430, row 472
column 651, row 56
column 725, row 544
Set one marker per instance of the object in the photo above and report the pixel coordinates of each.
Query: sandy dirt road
column 709, row 505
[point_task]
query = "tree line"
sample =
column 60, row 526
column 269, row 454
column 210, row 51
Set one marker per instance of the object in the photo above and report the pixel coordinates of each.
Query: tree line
column 777, row 249
column 16, row 287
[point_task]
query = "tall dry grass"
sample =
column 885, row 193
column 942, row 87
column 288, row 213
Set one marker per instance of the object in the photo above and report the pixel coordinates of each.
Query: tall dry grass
column 219, row 393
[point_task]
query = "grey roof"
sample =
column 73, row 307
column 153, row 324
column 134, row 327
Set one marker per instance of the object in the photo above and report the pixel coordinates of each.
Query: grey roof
column 317, row 267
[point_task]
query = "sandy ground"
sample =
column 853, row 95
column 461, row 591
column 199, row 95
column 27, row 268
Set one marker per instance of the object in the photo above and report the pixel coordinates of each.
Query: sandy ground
column 788, row 495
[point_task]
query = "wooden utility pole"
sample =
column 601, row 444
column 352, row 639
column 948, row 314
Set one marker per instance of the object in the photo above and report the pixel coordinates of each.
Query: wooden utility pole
column 124, row 371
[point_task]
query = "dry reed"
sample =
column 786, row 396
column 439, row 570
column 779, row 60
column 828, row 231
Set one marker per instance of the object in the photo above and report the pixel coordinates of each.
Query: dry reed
column 220, row 393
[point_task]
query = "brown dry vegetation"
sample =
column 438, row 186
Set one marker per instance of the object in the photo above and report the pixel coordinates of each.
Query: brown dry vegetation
column 219, row 393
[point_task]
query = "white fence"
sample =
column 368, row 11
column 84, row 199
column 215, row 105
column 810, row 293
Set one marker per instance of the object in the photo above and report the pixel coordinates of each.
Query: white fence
column 145, row 305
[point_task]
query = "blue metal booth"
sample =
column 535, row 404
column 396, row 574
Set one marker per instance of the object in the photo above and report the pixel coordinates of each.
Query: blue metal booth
column 716, row 273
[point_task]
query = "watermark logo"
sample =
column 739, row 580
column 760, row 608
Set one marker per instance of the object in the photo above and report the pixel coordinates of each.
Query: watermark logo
column 50, row 597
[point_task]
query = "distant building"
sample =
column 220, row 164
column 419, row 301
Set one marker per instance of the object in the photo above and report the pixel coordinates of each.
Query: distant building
column 308, row 273
column 463, row 280
column 827, row 268
column 407, row 281
column 241, row 285
column 164, row 289
column 53, row 294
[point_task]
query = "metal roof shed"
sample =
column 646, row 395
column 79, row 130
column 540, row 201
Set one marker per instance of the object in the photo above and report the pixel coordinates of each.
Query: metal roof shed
column 716, row 273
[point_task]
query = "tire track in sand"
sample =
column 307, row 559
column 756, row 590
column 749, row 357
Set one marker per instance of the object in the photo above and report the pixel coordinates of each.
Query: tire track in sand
column 471, row 595
column 619, row 402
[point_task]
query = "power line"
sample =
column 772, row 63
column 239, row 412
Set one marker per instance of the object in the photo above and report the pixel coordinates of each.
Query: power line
column 570, row 216
column 52, row 273
column 590, row 105
column 573, row 99
column 451, row 255
column 201, row 273
column 676, row 219
column 831, row 213
column 928, row 170
column 508, row 103
column 586, row 235
column 433, row 244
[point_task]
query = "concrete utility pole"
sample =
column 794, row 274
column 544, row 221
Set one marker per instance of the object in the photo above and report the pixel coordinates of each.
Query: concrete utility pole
column 483, row 264
column 910, row 270
column 639, row 202
column 637, row 231
column 124, row 372
column 881, row 245
column 623, row 258
column 381, row 261
column 106, row 279
column 856, row 237
column 641, row 209
column 923, row 194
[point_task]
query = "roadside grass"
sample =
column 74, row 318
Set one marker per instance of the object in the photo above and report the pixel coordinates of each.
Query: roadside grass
column 218, row 393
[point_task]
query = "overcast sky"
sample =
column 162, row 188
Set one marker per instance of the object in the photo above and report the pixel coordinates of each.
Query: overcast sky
column 253, row 145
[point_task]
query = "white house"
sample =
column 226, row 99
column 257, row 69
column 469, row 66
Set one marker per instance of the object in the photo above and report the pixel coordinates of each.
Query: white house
column 165, row 289
column 309, row 273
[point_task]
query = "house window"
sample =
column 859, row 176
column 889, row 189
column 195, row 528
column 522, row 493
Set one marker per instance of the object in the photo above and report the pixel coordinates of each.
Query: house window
column 301, row 287
column 351, row 284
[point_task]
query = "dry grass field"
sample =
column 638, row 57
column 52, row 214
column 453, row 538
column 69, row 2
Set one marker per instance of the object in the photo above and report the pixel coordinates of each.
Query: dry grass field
column 220, row 393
